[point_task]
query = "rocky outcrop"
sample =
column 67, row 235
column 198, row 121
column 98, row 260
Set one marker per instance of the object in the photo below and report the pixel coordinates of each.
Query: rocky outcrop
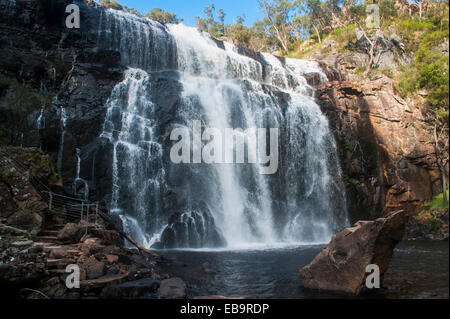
column 22, row 261
column 389, row 53
column 173, row 288
column 22, row 207
column 385, row 147
column 193, row 228
column 68, row 65
column 106, row 271
column 341, row 266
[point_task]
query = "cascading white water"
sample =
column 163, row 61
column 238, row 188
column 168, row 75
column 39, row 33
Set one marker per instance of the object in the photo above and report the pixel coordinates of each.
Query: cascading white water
column 201, row 205
column 137, row 176
column 79, row 183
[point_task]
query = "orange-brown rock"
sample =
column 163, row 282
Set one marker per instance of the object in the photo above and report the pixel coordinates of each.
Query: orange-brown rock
column 385, row 146
column 341, row 265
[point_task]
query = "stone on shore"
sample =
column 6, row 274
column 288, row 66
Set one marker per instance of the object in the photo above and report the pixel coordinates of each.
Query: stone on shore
column 341, row 266
column 173, row 288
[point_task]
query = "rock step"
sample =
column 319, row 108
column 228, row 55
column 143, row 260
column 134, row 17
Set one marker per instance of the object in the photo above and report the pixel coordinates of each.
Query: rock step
column 54, row 227
column 47, row 239
column 49, row 248
column 57, row 272
column 54, row 262
column 104, row 281
column 49, row 233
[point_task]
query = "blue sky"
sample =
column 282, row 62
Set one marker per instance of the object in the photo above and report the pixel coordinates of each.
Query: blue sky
column 189, row 9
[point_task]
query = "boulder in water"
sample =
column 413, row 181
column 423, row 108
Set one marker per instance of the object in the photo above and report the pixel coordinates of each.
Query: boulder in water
column 193, row 228
column 341, row 266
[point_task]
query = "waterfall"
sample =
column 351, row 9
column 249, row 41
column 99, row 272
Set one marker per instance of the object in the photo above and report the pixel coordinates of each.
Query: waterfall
column 63, row 124
column 80, row 186
column 177, row 75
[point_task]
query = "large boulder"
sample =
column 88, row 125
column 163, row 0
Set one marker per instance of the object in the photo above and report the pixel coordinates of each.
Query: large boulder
column 27, row 220
column 71, row 233
column 341, row 266
column 94, row 268
column 194, row 227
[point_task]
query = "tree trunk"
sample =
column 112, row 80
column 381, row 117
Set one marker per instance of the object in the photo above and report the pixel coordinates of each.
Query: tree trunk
column 274, row 25
column 317, row 32
column 371, row 51
column 420, row 11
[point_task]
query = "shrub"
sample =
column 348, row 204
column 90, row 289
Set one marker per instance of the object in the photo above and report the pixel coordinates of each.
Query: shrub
column 438, row 201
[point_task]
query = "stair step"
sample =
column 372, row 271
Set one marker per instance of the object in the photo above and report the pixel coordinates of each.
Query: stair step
column 55, row 227
column 49, row 248
column 49, row 232
column 54, row 262
column 57, row 271
column 46, row 239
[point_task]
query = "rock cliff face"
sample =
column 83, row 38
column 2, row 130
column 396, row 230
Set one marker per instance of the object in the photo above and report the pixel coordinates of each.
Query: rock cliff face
column 35, row 47
column 385, row 147
column 385, row 143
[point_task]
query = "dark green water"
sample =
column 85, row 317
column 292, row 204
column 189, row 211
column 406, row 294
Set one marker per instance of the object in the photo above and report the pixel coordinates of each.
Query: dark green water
column 417, row 270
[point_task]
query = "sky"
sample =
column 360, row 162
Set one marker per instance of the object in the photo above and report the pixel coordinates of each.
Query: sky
column 189, row 9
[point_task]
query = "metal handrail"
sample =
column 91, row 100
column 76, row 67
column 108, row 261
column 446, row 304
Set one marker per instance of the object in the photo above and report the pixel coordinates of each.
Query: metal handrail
column 62, row 201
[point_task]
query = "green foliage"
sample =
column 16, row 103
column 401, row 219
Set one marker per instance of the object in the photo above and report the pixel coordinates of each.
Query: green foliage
column 432, row 220
column 438, row 201
column 360, row 70
column 162, row 16
column 387, row 72
column 352, row 183
column 434, row 225
column 209, row 24
column 6, row 176
column 429, row 71
column 21, row 100
column 111, row 4
column 54, row 178
column 344, row 35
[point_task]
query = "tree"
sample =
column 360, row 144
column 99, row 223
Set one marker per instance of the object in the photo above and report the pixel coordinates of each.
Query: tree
column 221, row 15
column 208, row 24
column 239, row 33
column 132, row 11
column 316, row 16
column 21, row 101
column 162, row 16
column 279, row 16
column 209, row 12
